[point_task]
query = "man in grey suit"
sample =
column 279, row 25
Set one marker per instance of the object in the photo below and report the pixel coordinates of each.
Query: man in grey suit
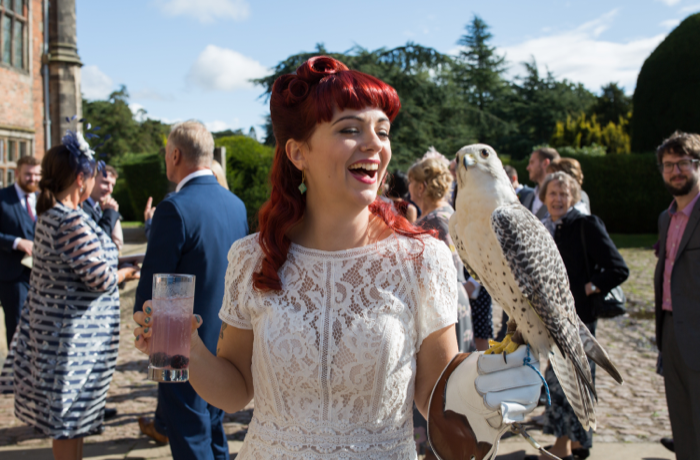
column 537, row 169
column 676, row 283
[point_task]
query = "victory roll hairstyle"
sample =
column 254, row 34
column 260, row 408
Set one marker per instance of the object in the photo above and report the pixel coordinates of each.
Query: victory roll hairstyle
column 298, row 102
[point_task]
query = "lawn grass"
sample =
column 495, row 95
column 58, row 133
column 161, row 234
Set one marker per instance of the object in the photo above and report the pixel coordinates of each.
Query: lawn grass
column 131, row 224
column 642, row 240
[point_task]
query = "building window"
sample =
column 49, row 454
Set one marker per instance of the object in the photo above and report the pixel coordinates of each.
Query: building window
column 12, row 150
column 13, row 33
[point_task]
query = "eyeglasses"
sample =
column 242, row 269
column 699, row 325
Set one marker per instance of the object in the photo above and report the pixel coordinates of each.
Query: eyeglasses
column 683, row 165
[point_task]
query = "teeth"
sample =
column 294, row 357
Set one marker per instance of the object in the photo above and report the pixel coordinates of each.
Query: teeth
column 365, row 166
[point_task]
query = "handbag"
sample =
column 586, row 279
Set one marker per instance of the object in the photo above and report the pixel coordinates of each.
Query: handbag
column 613, row 304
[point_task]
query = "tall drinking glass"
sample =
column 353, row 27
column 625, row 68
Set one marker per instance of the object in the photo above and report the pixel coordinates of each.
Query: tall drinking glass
column 173, row 302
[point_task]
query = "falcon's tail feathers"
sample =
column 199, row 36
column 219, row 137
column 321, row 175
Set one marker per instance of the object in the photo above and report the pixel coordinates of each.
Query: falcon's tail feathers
column 575, row 388
column 597, row 353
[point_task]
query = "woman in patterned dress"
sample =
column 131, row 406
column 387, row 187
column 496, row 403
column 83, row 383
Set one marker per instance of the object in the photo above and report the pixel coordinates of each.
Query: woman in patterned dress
column 65, row 349
column 339, row 314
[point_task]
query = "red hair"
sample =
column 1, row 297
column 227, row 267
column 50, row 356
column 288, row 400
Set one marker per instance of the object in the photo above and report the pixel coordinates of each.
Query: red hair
column 298, row 103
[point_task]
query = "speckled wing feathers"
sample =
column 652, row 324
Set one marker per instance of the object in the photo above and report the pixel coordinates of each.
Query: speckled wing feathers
column 535, row 262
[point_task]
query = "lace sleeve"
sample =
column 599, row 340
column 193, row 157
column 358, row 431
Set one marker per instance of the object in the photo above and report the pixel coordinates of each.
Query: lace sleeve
column 81, row 249
column 243, row 259
column 438, row 290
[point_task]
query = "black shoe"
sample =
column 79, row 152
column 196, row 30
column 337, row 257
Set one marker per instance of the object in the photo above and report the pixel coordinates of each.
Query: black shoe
column 581, row 453
column 110, row 413
column 668, row 444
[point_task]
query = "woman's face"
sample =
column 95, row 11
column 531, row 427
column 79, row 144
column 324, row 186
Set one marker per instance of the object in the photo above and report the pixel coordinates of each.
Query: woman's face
column 557, row 199
column 345, row 159
column 416, row 190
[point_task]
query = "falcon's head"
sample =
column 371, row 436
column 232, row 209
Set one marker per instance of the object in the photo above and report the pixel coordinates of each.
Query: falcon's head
column 479, row 169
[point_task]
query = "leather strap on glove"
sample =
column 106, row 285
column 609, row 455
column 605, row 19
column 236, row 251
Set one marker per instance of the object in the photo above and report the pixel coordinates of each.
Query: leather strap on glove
column 476, row 399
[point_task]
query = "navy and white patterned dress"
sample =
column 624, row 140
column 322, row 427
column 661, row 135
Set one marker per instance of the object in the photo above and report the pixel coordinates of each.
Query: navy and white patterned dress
column 65, row 350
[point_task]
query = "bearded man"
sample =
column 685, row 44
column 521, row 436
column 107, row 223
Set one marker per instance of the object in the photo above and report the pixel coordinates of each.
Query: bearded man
column 676, row 282
column 17, row 222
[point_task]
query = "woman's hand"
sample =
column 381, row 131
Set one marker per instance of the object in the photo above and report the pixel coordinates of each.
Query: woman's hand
column 145, row 320
column 591, row 290
column 128, row 274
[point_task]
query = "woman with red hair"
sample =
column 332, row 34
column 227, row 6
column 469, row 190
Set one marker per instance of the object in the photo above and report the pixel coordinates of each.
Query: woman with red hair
column 338, row 314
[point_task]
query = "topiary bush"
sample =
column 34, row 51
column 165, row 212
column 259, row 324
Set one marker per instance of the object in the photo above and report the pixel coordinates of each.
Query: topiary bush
column 667, row 96
column 626, row 191
column 145, row 177
column 248, row 164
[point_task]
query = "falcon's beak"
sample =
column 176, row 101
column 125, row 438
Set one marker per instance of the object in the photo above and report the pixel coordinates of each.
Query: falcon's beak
column 468, row 160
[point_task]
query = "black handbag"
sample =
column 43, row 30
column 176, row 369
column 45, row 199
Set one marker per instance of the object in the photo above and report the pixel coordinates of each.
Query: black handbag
column 613, row 304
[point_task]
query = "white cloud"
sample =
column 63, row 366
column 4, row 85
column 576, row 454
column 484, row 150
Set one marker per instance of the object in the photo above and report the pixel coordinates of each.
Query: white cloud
column 580, row 56
column 206, row 11
column 669, row 2
column 223, row 69
column 691, row 8
column 670, row 23
column 218, row 125
column 138, row 111
column 94, row 83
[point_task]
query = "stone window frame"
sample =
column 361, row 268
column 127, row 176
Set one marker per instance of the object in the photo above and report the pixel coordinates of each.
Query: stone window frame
column 13, row 145
column 11, row 16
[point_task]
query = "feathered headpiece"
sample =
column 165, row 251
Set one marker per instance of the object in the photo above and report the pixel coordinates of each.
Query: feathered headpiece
column 83, row 155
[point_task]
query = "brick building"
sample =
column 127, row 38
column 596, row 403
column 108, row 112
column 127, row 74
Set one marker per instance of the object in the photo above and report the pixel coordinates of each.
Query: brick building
column 39, row 78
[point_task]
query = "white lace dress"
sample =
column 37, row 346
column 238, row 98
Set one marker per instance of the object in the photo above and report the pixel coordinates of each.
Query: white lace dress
column 334, row 357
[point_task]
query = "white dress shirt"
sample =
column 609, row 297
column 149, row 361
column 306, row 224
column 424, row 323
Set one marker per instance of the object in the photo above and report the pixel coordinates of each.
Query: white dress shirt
column 537, row 203
column 23, row 197
column 189, row 177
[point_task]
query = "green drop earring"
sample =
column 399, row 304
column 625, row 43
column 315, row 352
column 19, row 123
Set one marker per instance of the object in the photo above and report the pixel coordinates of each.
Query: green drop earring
column 302, row 186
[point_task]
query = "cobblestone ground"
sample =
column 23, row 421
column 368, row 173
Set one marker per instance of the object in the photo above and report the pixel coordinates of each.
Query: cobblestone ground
column 633, row 412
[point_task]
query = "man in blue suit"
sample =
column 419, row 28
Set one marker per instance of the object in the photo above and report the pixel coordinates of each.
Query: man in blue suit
column 17, row 222
column 191, row 233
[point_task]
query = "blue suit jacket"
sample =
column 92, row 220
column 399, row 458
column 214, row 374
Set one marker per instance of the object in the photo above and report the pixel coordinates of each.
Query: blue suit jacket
column 14, row 222
column 191, row 233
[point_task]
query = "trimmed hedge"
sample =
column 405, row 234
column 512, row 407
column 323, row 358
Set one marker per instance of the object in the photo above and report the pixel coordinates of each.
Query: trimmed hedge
column 121, row 194
column 248, row 164
column 145, row 176
column 667, row 95
column 626, row 191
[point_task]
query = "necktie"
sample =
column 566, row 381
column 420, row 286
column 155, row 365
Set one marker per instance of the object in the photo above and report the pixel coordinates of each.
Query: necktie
column 29, row 208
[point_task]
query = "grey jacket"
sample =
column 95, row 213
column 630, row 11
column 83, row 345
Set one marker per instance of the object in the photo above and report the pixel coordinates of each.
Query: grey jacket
column 528, row 201
column 685, row 287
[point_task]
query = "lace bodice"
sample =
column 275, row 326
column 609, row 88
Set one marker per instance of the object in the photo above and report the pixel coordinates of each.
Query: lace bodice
column 334, row 356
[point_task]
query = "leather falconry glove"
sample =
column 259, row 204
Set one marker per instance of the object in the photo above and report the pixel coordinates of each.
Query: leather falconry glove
column 476, row 399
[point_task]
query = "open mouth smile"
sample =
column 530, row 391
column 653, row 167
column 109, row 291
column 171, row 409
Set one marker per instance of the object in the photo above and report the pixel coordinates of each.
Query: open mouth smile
column 365, row 171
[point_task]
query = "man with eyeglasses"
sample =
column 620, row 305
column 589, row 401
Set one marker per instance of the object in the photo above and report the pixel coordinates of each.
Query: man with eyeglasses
column 676, row 285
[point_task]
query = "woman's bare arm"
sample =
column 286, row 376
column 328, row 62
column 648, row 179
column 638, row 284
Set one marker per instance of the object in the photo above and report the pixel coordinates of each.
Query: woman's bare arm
column 436, row 352
column 224, row 381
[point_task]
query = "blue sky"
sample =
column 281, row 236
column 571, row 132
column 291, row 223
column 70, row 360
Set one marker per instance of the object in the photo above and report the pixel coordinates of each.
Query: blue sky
column 184, row 59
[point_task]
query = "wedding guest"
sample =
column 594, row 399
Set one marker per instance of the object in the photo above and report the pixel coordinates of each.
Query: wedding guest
column 521, row 190
column 537, row 170
column 397, row 192
column 572, row 167
column 104, row 209
column 339, row 313
column 17, row 223
column 219, row 174
column 189, row 231
column 594, row 267
column 676, row 282
column 73, row 301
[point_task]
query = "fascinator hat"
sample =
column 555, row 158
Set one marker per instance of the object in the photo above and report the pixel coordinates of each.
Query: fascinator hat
column 82, row 155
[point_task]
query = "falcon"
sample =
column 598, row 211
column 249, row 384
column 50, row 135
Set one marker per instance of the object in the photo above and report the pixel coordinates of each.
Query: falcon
column 510, row 252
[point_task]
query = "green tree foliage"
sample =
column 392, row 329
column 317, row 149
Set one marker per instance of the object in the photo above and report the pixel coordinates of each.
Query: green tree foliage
column 248, row 164
column 612, row 104
column 667, row 95
column 583, row 131
column 144, row 176
column 114, row 117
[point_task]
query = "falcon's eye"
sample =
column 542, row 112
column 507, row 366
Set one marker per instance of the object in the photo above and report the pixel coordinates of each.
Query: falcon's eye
column 484, row 153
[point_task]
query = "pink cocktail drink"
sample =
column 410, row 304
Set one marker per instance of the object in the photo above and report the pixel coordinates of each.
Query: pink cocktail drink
column 173, row 300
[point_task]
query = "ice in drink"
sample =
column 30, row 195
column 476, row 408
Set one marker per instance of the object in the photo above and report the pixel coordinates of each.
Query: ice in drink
column 172, row 303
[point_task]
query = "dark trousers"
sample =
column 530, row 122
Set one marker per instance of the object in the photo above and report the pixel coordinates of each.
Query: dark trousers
column 195, row 428
column 682, row 395
column 13, row 294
